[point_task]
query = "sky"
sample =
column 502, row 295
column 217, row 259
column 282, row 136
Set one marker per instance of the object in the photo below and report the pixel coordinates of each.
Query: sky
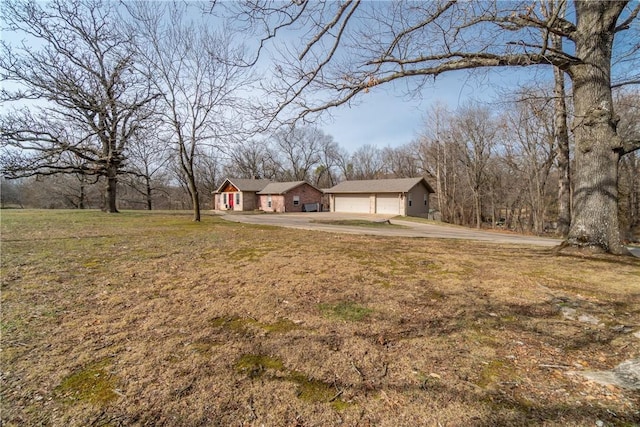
column 385, row 118
column 382, row 118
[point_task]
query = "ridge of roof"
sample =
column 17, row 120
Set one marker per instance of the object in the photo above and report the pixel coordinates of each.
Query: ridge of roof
column 393, row 185
column 281, row 187
column 246, row 184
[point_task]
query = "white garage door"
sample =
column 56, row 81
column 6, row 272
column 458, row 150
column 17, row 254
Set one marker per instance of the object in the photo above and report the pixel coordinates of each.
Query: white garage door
column 357, row 203
column 388, row 204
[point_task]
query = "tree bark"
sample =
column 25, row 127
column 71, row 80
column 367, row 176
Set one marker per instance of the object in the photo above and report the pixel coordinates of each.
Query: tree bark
column 195, row 198
column 598, row 147
column 110, row 190
column 147, row 186
column 562, row 147
column 82, row 193
column 148, row 192
column 477, row 207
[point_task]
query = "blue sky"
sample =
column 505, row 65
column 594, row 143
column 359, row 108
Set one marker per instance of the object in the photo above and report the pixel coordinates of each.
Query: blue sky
column 383, row 117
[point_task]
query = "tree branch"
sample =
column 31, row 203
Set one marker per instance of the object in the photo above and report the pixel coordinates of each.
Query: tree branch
column 625, row 83
column 311, row 76
column 327, row 27
column 629, row 146
column 459, row 61
column 626, row 24
column 416, row 27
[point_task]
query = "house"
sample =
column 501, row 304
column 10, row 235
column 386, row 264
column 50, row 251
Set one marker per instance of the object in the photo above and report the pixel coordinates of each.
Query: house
column 237, row 194
column 297, row 196
column 402, row 196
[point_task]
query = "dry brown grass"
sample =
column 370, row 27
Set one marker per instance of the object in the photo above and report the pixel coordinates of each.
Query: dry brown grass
column 150, row 319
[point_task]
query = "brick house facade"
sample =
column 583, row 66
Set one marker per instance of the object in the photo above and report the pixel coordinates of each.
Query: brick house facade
column 297, row 196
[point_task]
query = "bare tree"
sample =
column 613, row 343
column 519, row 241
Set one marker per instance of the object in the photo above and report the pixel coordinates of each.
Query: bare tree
column 68, row 191
column 367, row 162
column 531, row 152
column 474, row 132
column 354, row 46
column 343, row 161
column 251, row 159
column 209, row 168
column 300, row 150
column 400, row 162
column 628, row 105
column 201, row 74
column 438, row 158
column 326, row 174
column 10, row 193
column 561, row 133
column 148, row 157
column 90, row 99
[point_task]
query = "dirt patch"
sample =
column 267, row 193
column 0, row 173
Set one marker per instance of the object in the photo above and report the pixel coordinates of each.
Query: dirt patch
column 151, row 319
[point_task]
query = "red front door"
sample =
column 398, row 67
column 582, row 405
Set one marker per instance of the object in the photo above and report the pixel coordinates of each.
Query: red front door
column 231, row 200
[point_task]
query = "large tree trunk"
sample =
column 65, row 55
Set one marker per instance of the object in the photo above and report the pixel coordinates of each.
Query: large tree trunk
column 186, row 161
column 562, row 141
column 634, row 200
column 148, row 193
column 195, row 198
column 594, row 222
column 82, row 193
column 110, row 189
column 478, row 208
column 193, row 189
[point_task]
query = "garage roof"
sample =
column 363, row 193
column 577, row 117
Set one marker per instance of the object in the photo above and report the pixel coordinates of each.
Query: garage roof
column 397, row 185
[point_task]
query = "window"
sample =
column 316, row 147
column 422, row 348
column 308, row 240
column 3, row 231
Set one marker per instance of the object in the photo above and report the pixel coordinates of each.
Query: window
column 237, row 198
column 296, row 200
column 410, row 201
column 269, row 201
column 426, row 199
column 224, row 198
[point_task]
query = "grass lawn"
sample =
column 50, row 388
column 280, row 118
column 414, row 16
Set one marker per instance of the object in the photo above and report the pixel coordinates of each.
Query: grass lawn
column 150, row 319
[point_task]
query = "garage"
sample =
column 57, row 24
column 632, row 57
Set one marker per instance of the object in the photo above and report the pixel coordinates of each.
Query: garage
column 388, row 204
column 356, row 203
column 395, row 196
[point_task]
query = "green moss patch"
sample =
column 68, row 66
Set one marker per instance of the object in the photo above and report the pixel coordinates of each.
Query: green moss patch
column 312, row 390
column 256, row 365
column 280, row 326
column 244, row 325
column 309, row 389
column 247, row 254
column 348, row 311
column 93, row 384
column 494, row 372
column 238, row 325
column 203, row 346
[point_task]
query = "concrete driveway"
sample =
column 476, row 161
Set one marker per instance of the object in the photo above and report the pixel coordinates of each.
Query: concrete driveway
column 409, row 228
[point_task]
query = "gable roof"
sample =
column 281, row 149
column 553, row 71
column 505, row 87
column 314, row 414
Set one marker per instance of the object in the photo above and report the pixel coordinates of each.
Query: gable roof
column 397, row 185
column 243, row 184
column 282, row 187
